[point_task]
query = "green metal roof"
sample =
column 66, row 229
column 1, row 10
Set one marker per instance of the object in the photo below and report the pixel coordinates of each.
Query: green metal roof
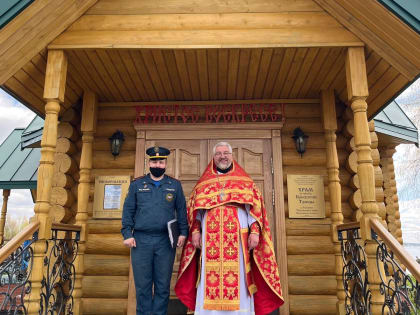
column 394, row 122
column 18, row 167
column 32, row 135
column 10, row 8
column 406, row 10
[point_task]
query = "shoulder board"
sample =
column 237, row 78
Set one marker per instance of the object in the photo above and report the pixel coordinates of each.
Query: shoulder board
column 140, row 177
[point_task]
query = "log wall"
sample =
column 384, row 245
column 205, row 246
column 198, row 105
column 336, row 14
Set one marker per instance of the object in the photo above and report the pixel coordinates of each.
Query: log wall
column 66, row 168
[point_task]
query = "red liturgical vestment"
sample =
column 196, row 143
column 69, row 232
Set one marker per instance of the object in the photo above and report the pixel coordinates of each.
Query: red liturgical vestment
column 220, row 195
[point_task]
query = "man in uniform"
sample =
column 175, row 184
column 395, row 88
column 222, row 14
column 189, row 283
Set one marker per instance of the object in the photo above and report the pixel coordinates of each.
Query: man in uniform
column 152, row 201
column 228, row 219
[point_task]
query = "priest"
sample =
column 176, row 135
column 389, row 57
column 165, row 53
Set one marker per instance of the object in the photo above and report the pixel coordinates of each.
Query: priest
column 228, row 265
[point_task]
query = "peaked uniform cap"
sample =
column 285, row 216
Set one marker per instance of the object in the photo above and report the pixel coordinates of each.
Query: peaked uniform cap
column 157, row 152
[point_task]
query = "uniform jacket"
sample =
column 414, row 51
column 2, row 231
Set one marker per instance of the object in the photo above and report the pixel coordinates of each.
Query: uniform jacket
column 148, row 208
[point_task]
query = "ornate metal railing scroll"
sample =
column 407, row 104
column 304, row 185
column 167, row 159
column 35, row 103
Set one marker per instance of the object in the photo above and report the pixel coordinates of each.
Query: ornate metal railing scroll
column 59, row 278
column 400, row 289
column 355, row 273
column 16, row 259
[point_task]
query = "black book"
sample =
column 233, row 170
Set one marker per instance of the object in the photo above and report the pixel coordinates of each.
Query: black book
column 173, row 231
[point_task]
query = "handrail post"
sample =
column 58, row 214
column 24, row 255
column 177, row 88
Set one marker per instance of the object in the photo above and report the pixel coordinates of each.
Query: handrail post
column 55, row 82
column 329, row 121
column 357, row 89
column 6, row 194
column 88, row 128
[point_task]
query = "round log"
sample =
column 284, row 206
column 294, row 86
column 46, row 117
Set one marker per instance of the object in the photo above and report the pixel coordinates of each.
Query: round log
column 93, row 306
column 106, row 265
column 297, row 245
column 105, row 286
column 104, row 159
column 103, row 244
column 355, row 200
column 71, row 116
column 62, row 196
column 374, row 140
column 65, row 145
column 354, row 180
column 107, row 226
column 311, row 265
column 371, row 125
column 66, row 130
column 60, row 214
column 62, row 180
column 308, row 227
column 351, row 163
column 313, row 304
column 312, row 157
column 312, row 285
column 64, row 164
column 382, row 210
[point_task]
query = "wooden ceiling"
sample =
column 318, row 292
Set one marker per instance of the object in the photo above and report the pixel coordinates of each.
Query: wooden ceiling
column 205, row 74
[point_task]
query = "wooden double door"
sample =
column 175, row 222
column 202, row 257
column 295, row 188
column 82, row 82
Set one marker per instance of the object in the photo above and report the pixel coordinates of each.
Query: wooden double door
column 192, row 150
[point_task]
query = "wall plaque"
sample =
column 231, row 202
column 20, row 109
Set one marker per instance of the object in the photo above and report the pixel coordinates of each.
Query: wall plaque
column 306, row 196
column 110, row 192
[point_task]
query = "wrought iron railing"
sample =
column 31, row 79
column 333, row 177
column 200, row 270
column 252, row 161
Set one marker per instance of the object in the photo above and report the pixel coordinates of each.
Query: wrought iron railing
column 355, row 273
column 60, row 275
column 400, row 289
column 399, row 285
column 16, row 259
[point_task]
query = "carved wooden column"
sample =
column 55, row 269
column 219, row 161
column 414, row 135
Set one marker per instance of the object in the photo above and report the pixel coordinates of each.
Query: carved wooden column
column 55, row 83
column 357, row 89
column 329, row 120
column 6, row 194
column 88, row 129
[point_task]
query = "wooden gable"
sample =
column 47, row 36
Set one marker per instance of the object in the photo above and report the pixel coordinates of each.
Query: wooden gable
column 141, row 51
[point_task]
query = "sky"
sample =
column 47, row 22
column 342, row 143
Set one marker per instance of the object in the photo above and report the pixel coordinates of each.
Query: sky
column 15, row 115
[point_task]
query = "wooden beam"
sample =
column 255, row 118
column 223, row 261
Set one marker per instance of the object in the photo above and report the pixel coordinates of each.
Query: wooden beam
column 299, row 36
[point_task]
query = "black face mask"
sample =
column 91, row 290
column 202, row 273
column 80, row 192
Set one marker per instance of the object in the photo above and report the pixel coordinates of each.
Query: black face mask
column 157, row 171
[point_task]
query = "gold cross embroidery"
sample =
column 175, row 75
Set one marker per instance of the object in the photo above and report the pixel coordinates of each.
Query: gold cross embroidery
column 230, row 225
column 230, row 251
column 212, row 251
column 212, row 225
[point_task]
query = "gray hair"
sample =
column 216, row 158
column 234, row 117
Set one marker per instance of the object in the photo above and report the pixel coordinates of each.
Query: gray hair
column 222, row 144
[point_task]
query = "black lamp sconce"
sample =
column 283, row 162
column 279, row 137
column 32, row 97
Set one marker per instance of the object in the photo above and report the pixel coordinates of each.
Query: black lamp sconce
column 116, row 140
column 300, row 140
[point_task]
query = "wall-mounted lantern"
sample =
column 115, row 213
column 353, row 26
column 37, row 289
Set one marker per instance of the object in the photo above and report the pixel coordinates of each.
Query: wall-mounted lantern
column 116, row 140
column 300, row 140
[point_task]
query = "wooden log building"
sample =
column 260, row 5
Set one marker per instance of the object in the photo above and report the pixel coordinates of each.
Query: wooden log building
column 186, row 74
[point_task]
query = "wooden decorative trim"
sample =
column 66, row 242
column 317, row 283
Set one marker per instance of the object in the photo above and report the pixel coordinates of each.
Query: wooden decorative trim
column 203, row 103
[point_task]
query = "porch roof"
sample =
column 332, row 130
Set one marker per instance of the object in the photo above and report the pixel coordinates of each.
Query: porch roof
column 18, row 167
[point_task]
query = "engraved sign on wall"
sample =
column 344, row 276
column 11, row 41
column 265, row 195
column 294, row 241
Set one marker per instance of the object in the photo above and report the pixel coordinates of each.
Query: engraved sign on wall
column 110, row 192
column 306, row 196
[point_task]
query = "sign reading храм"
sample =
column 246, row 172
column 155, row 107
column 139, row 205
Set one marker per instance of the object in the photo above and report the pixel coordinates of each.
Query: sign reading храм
column 305, row 196
column 225, row 113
